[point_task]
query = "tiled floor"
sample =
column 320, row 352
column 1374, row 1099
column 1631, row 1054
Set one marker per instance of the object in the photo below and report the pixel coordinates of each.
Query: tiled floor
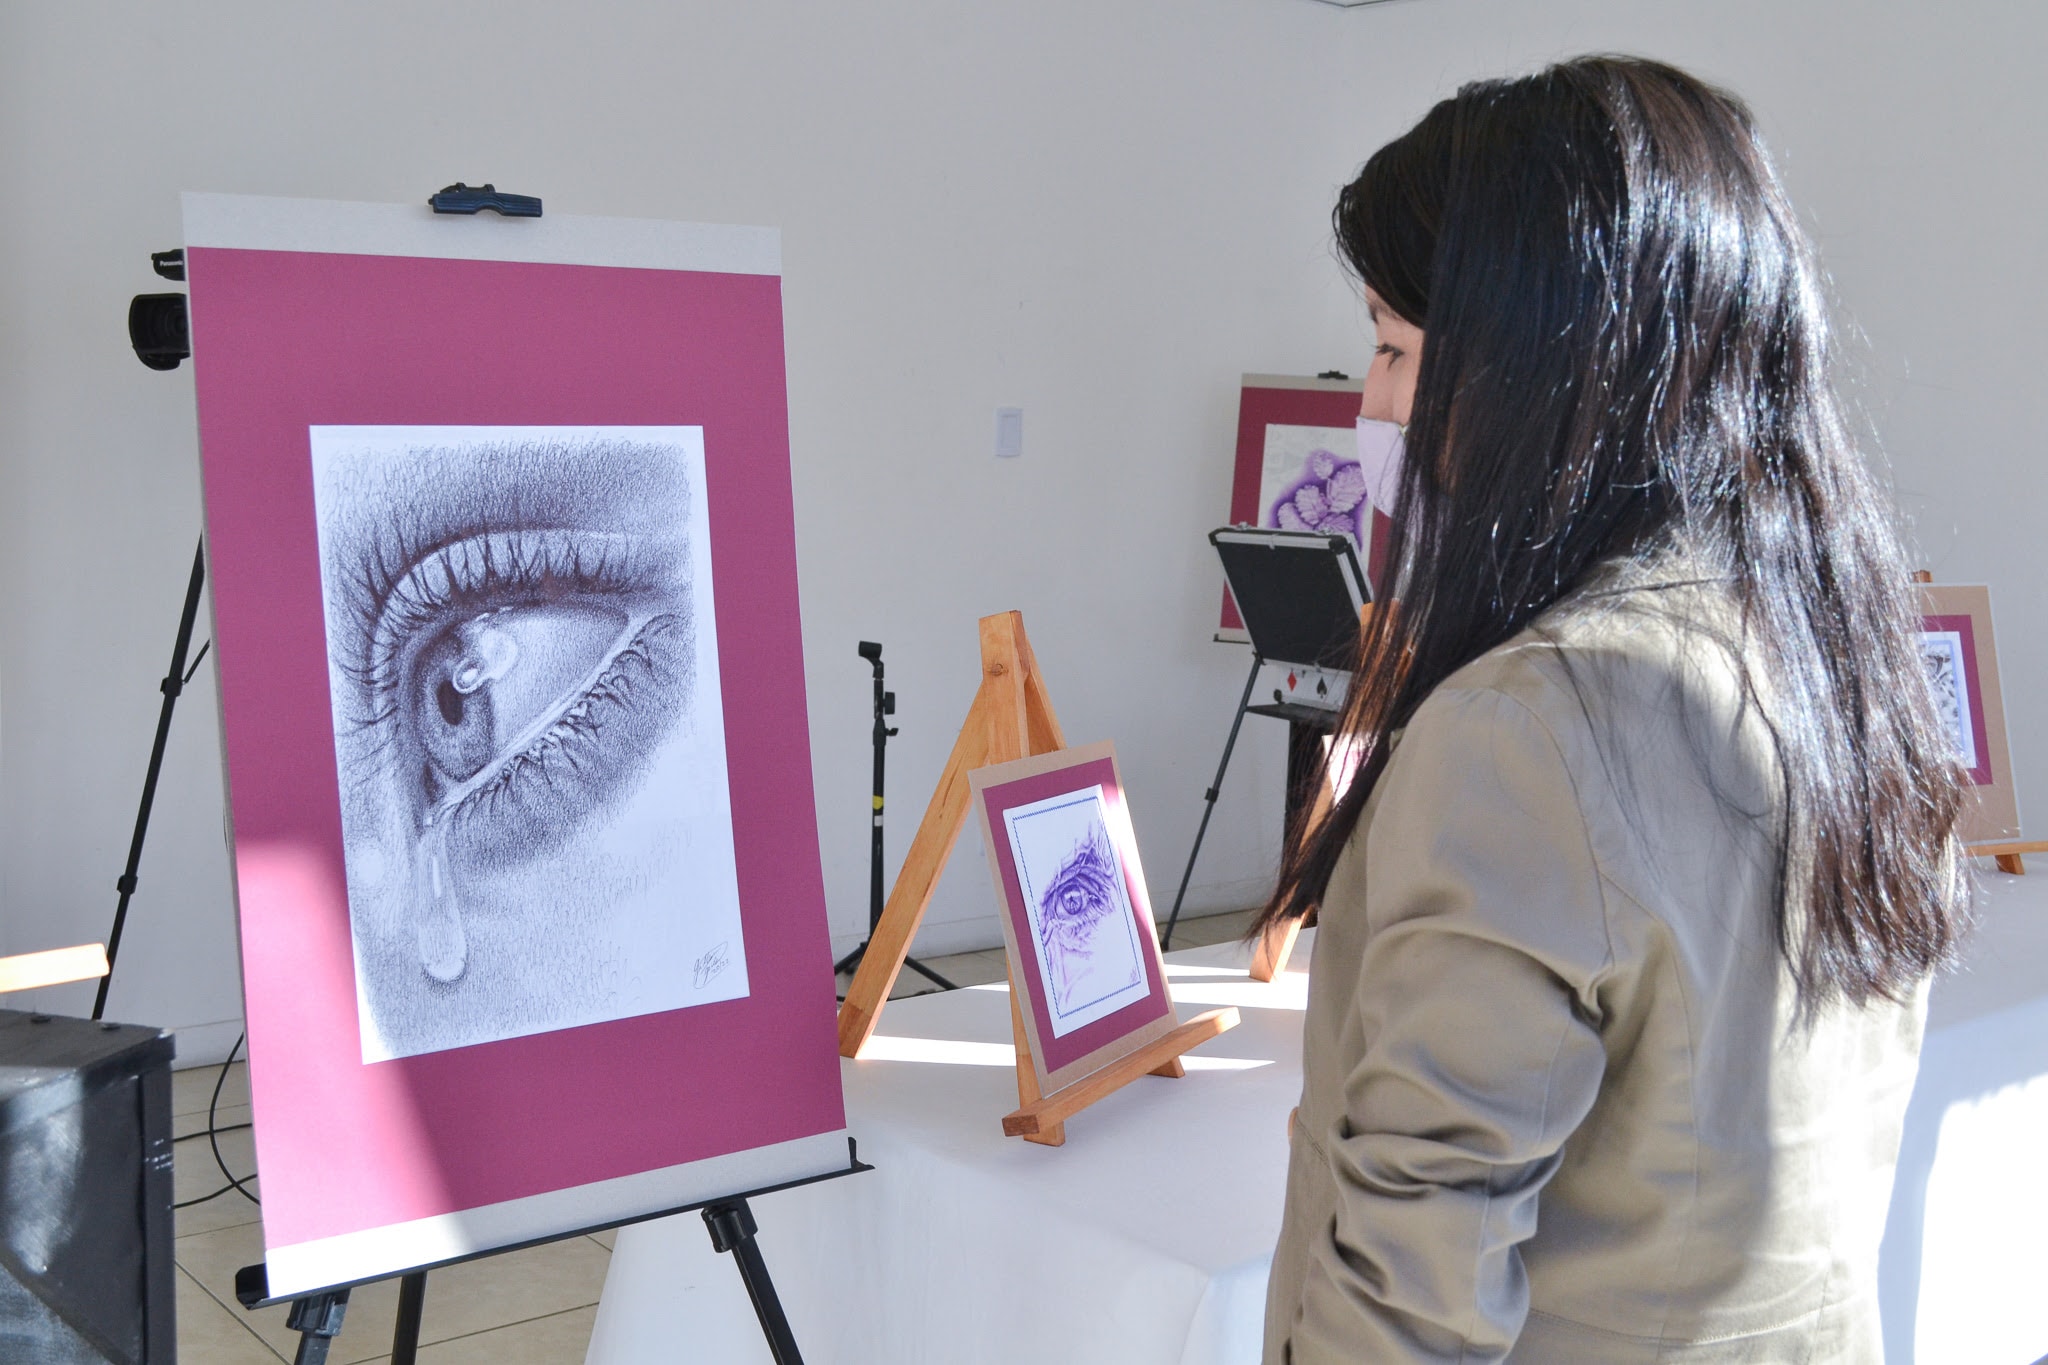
column 532, row 1307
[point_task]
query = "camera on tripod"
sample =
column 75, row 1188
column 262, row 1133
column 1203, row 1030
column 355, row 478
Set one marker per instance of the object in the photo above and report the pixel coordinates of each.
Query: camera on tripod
column 159, row 326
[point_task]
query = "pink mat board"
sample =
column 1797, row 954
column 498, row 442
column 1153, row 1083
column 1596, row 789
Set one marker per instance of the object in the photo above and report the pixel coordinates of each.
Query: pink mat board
column 284, row 341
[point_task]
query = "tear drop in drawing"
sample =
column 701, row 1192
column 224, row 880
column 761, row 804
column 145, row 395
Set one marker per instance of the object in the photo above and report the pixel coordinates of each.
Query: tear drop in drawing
column 1084, row 934
column 529, row 734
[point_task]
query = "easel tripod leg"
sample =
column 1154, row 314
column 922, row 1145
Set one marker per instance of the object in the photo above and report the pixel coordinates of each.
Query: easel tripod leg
column 732, row 1229
column 172, row 685
column 929, row 974
column 317, row 1320
column 1209, row 800
column 412, row 1301
column 851, row 962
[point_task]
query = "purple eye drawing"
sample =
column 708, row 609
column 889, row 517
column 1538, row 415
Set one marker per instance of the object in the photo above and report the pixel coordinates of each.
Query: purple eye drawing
column 1084, row 937
column 1080, row 896
column 1328, row 497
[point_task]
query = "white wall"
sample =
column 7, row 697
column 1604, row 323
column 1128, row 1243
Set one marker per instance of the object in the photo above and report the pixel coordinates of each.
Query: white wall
column 1099, row 210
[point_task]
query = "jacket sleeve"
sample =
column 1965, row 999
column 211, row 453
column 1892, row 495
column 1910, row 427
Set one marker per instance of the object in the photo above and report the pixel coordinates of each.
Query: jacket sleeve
column 1482, row 1052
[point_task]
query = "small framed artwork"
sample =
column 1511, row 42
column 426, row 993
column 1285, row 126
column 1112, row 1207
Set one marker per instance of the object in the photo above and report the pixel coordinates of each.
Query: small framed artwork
column 1076, row 919
column 1962, row 669
column 1297, row 470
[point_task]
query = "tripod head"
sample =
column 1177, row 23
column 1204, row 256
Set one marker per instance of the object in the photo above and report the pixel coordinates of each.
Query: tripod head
column 885, row 702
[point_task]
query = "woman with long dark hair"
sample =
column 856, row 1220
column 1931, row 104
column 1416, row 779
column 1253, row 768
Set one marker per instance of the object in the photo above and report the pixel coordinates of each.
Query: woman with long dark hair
column 1625, row 918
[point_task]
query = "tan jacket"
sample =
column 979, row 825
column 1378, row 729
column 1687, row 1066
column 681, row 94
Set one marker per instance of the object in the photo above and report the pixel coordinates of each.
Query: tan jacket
column 1556, row 1106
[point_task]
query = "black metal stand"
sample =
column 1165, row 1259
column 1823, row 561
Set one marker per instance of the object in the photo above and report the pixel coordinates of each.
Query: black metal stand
column 412, row 1302
column 885, row 706
column 1304, row 765
column 173, row 684
column 732, row 1229
column 317, row 1320
column 317, row 1317
column 1251, row 680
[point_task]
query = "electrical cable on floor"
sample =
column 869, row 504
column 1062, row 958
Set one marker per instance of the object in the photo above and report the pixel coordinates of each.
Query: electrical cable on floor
column 213, row 1132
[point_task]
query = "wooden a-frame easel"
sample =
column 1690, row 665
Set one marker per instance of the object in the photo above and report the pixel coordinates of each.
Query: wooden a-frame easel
column 2010, row 854
column 1011, row 718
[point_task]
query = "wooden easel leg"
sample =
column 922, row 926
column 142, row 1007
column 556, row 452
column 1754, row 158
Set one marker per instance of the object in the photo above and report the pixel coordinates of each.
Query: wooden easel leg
column 2013, row 863
column 1004, row 709
column 1052, row 1134
column 1041, row 725
column 1170, row 1068
column 1276, row 945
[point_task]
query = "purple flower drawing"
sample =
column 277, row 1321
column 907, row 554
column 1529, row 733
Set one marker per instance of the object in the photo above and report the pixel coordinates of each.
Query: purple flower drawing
column 1080, row 896
column 1328, row 497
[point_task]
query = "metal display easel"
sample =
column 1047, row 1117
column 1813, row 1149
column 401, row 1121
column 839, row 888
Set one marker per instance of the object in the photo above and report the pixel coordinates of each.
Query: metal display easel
column 159, row 330
column 1301, row 595
column 317, row 1317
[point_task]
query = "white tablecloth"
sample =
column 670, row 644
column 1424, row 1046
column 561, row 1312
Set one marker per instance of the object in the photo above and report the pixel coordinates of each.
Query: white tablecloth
column 1966, row 1244
column 1144, row 1239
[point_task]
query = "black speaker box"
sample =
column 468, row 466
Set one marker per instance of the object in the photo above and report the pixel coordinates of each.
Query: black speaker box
column 86, row 1271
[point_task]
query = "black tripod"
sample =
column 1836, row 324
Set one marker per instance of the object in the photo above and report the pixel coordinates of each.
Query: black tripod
column 885, row 706
column 173, row 684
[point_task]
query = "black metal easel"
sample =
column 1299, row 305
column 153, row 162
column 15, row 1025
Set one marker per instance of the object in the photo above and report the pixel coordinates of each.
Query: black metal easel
column 317, row 1318
column 885, row 706
column 1304, row 723
column 1299, row 595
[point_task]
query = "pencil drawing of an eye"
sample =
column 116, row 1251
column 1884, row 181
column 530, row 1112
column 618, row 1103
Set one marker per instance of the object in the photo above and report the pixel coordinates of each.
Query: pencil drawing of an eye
column 523, row 675
column 484, row 681
column 513, row 645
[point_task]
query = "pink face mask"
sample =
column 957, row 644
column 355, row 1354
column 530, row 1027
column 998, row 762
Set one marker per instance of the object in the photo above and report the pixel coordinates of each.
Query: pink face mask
column 1380, row 447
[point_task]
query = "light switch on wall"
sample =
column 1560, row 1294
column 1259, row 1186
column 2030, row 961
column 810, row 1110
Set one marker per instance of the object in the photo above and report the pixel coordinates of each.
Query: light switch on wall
column 1009, row 433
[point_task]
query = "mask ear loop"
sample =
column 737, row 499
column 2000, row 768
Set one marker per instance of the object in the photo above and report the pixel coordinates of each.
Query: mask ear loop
column 443, row 942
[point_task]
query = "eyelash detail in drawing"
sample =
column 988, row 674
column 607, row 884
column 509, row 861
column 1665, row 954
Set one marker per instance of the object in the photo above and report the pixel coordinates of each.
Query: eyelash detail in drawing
column 469, row 576
column 514, row 683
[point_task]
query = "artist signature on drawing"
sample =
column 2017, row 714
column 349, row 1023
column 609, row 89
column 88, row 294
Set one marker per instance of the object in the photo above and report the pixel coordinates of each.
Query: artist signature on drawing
column 710, row 965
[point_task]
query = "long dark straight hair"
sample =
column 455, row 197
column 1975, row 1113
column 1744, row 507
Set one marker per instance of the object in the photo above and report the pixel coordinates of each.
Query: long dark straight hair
column 1625, row 354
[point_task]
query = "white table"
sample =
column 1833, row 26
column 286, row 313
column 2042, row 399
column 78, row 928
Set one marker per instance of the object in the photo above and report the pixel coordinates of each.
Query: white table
column 1146, row 1238
column 1965, row 1258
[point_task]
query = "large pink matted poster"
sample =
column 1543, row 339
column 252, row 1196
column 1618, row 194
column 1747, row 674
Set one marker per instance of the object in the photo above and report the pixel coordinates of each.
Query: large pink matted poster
column 505, row 613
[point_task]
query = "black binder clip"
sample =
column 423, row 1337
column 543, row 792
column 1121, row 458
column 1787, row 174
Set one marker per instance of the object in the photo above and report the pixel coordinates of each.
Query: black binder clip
column 461, row 198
